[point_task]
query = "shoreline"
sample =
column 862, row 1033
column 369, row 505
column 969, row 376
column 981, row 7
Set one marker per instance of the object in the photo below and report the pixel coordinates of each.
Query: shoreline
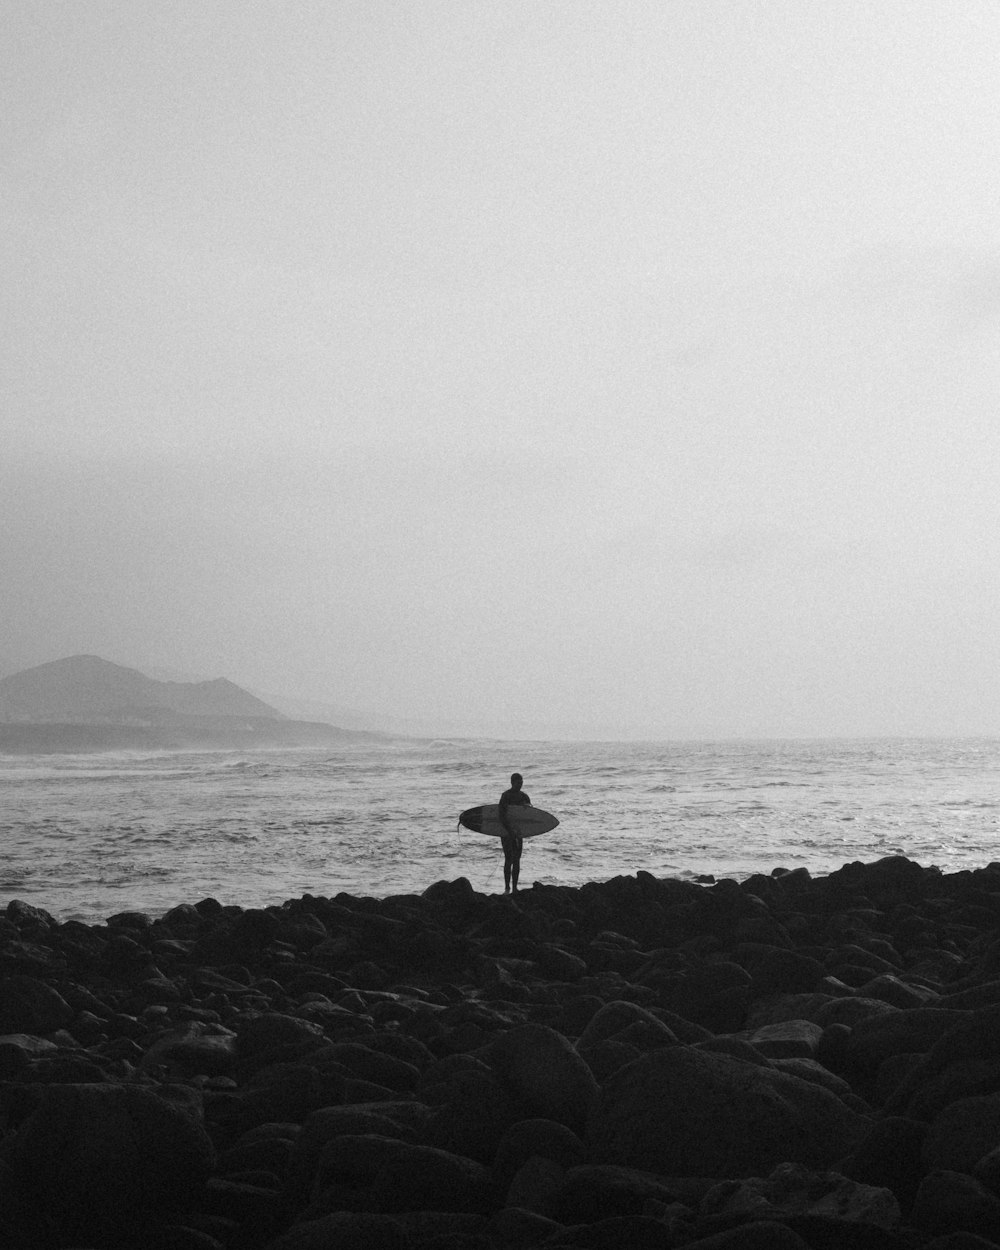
column 642, row 1060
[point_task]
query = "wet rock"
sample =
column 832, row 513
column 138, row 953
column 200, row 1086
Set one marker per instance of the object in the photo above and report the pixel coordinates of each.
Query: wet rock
column 347, row 1230
column 714, row 995
column 387, row 1119
column 891, row 989
column 515, row 1227
column 793, row 1190
column 851, row 1011
column 962, row 1134
column 190, row 1049
column 755, row 1235
column 776, row 969
column 961, row 1063
column 560, row 964
column 272, row 1036
column 526, row 1139
column 28, row 1005
column 685, row 1112
column 606, row 1057
column 792, row 1039
column 592, row 1192
column 635, row 1231
column 811, row 1070
column 540, row 1068
column 126, row 1156
column 473, row 1117
column 949, row 1201
column 877, row 1038
column 535, row 1186
column 369, row 1065
column 614, row 1019
column 388, row 1175
column 287, row 1091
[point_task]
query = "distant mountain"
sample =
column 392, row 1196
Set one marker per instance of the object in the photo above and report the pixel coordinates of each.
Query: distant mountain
column 311, row 709
column 84, row 689
column 84, row 703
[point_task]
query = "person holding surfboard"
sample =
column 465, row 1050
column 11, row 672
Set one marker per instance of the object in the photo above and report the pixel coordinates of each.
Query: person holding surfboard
column 509, row 840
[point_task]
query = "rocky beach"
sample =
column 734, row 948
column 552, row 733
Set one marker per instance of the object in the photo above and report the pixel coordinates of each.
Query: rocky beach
column 790, row 1061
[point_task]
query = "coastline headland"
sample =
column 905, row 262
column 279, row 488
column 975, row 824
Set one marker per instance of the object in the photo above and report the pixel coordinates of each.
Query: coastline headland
column 790, row 1061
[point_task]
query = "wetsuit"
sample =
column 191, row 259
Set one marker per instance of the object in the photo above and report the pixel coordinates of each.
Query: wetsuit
column 511, row 843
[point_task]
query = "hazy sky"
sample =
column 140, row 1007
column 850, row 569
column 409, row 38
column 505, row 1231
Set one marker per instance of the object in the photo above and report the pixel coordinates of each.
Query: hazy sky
column 506, row 364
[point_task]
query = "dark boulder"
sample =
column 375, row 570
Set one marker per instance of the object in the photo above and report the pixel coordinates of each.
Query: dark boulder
column 28, row 1005
column 93, row 1160
column 540, row 1068
column 687, row 1112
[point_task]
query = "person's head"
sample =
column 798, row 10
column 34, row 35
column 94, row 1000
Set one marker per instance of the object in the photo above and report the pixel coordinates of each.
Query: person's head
column 516, row 781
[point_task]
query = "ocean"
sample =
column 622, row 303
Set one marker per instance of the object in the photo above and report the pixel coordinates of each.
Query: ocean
column 86, row 836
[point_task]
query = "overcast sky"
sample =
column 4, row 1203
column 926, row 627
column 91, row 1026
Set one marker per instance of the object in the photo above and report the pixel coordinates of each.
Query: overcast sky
column 629, row 368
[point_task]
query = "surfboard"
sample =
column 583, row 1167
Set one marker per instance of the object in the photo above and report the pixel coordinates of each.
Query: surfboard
column 527, row 822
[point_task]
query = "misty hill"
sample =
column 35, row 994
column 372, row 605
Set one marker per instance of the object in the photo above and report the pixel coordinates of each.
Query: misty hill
column 84, row 689
column 84, row 703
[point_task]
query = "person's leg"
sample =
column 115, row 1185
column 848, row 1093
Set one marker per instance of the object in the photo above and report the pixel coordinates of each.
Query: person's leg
column 515, row 867
column 508, row 861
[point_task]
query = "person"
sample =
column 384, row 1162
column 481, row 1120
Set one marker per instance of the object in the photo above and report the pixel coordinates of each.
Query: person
column 511, row 843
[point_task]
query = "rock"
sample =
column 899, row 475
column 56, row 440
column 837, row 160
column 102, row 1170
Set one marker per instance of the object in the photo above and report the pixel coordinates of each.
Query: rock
column 755, row 1235
column 952, row 1201
column 987, row 1171
column 735, row 1048
column 777, row 1008
column 369, row 1065
column 28, row 918
column 960, row 1241
column 535, row 1186
column 347, row 1230
column 192, row 1049
column 851, row 1011
column 686, row 1112
column 890, row 989
column 442, row 1230
column 614, row 1018
column 388, row 1175
column 288, row 1091
column 777, row 970
column 125, row 1156
column 459, row 891
column 973, row 998
column 271, row 1154
column 27, row 1046
column 714, row 995
column 541, row 1069
column 258, row 1206
column 28, row 1005
column 877, row 1038
column 545, row 1138
column 606, row 1057
column 272, row 1035
column 811, row 1070
column 474, row 1118
column 793, row 1190
column 634, row 1231
column 387, row 1119
column 962, row 1134
column 792, row 1039
column 591, row 1192
column 560, row 964
column 516, row 1228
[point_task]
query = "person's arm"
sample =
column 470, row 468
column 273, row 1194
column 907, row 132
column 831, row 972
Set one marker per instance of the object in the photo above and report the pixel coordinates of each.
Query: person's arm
column 502, row 812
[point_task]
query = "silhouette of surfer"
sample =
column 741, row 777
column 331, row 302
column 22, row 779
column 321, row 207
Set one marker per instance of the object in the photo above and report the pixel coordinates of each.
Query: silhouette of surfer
column 511, row 843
